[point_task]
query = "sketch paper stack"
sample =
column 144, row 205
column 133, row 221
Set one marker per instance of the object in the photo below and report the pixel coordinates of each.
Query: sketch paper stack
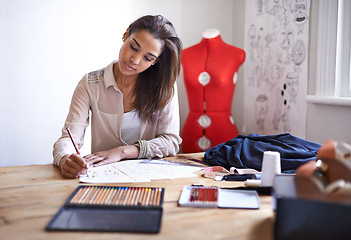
column 138, row 171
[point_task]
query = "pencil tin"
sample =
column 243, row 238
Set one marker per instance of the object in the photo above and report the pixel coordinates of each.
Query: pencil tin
column 110, row 208
column 215, row 197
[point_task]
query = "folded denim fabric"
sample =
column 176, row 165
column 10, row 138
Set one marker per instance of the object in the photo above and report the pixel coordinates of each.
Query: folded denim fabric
column 246, row 151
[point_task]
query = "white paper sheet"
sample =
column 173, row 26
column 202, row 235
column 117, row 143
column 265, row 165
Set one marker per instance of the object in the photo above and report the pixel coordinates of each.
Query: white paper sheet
column 138, row 171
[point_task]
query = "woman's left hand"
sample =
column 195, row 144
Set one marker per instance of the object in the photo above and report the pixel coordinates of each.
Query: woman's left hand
column 112, row 155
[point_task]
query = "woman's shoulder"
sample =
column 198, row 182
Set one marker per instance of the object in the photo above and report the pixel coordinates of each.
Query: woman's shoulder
column 92, row 80
column 96, row 76
column 101, row 76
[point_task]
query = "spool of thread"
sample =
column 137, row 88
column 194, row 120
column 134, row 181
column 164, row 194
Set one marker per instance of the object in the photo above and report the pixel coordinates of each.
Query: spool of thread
column 252, row 183
column 270, row 168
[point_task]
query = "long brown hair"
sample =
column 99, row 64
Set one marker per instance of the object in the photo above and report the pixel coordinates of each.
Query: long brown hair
column 154, row 86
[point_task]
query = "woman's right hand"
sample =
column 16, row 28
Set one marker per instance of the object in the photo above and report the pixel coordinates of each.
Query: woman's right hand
column 73, row 166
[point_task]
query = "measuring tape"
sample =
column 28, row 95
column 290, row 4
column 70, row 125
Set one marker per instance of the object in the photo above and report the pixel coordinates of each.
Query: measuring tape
column 213, row 172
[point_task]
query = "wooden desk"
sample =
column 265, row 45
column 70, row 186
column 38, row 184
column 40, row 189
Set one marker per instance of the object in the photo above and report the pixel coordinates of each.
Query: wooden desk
column 31, row 195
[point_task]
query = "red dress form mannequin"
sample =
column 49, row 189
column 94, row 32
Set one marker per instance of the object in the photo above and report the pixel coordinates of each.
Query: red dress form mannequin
column 210, row 68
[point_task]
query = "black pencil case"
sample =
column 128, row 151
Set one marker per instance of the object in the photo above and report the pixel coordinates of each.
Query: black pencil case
column 115, row 217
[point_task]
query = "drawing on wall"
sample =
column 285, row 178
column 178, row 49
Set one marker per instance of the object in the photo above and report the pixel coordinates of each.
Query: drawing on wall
column 276, row 69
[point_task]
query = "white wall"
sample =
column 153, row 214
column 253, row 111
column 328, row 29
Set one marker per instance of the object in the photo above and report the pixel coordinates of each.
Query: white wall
column 324, row 121
column 47, row 46
column 239, row 41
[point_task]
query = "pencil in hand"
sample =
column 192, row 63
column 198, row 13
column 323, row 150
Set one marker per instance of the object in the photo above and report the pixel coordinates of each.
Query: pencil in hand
column 74, row 144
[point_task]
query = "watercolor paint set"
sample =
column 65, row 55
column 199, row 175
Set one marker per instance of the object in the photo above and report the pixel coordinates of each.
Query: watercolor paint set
column 110, row 208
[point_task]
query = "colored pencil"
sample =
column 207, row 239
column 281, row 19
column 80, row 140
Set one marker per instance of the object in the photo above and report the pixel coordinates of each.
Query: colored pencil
column 74, row 144
column 159, row 196
column 128, row 196
column 85, row 195
column 76, row 196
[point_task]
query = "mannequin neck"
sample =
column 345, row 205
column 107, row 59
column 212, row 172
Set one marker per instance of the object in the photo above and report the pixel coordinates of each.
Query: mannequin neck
column 211, row 33
column 213, row 42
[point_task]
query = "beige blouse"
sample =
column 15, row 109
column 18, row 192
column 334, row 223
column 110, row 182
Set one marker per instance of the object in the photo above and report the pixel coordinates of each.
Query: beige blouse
column 98, row 92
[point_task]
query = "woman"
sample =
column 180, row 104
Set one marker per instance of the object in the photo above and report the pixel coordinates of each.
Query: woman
column 133, row 102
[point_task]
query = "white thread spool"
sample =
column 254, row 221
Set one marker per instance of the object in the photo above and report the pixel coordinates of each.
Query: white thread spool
column 270, row 168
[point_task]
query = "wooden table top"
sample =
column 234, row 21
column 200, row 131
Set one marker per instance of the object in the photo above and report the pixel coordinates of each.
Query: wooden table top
column 32, row 195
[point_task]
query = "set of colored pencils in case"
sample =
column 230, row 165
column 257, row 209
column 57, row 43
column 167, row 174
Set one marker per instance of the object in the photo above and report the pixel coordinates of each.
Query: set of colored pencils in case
column 122, row 196
column 203, row 195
